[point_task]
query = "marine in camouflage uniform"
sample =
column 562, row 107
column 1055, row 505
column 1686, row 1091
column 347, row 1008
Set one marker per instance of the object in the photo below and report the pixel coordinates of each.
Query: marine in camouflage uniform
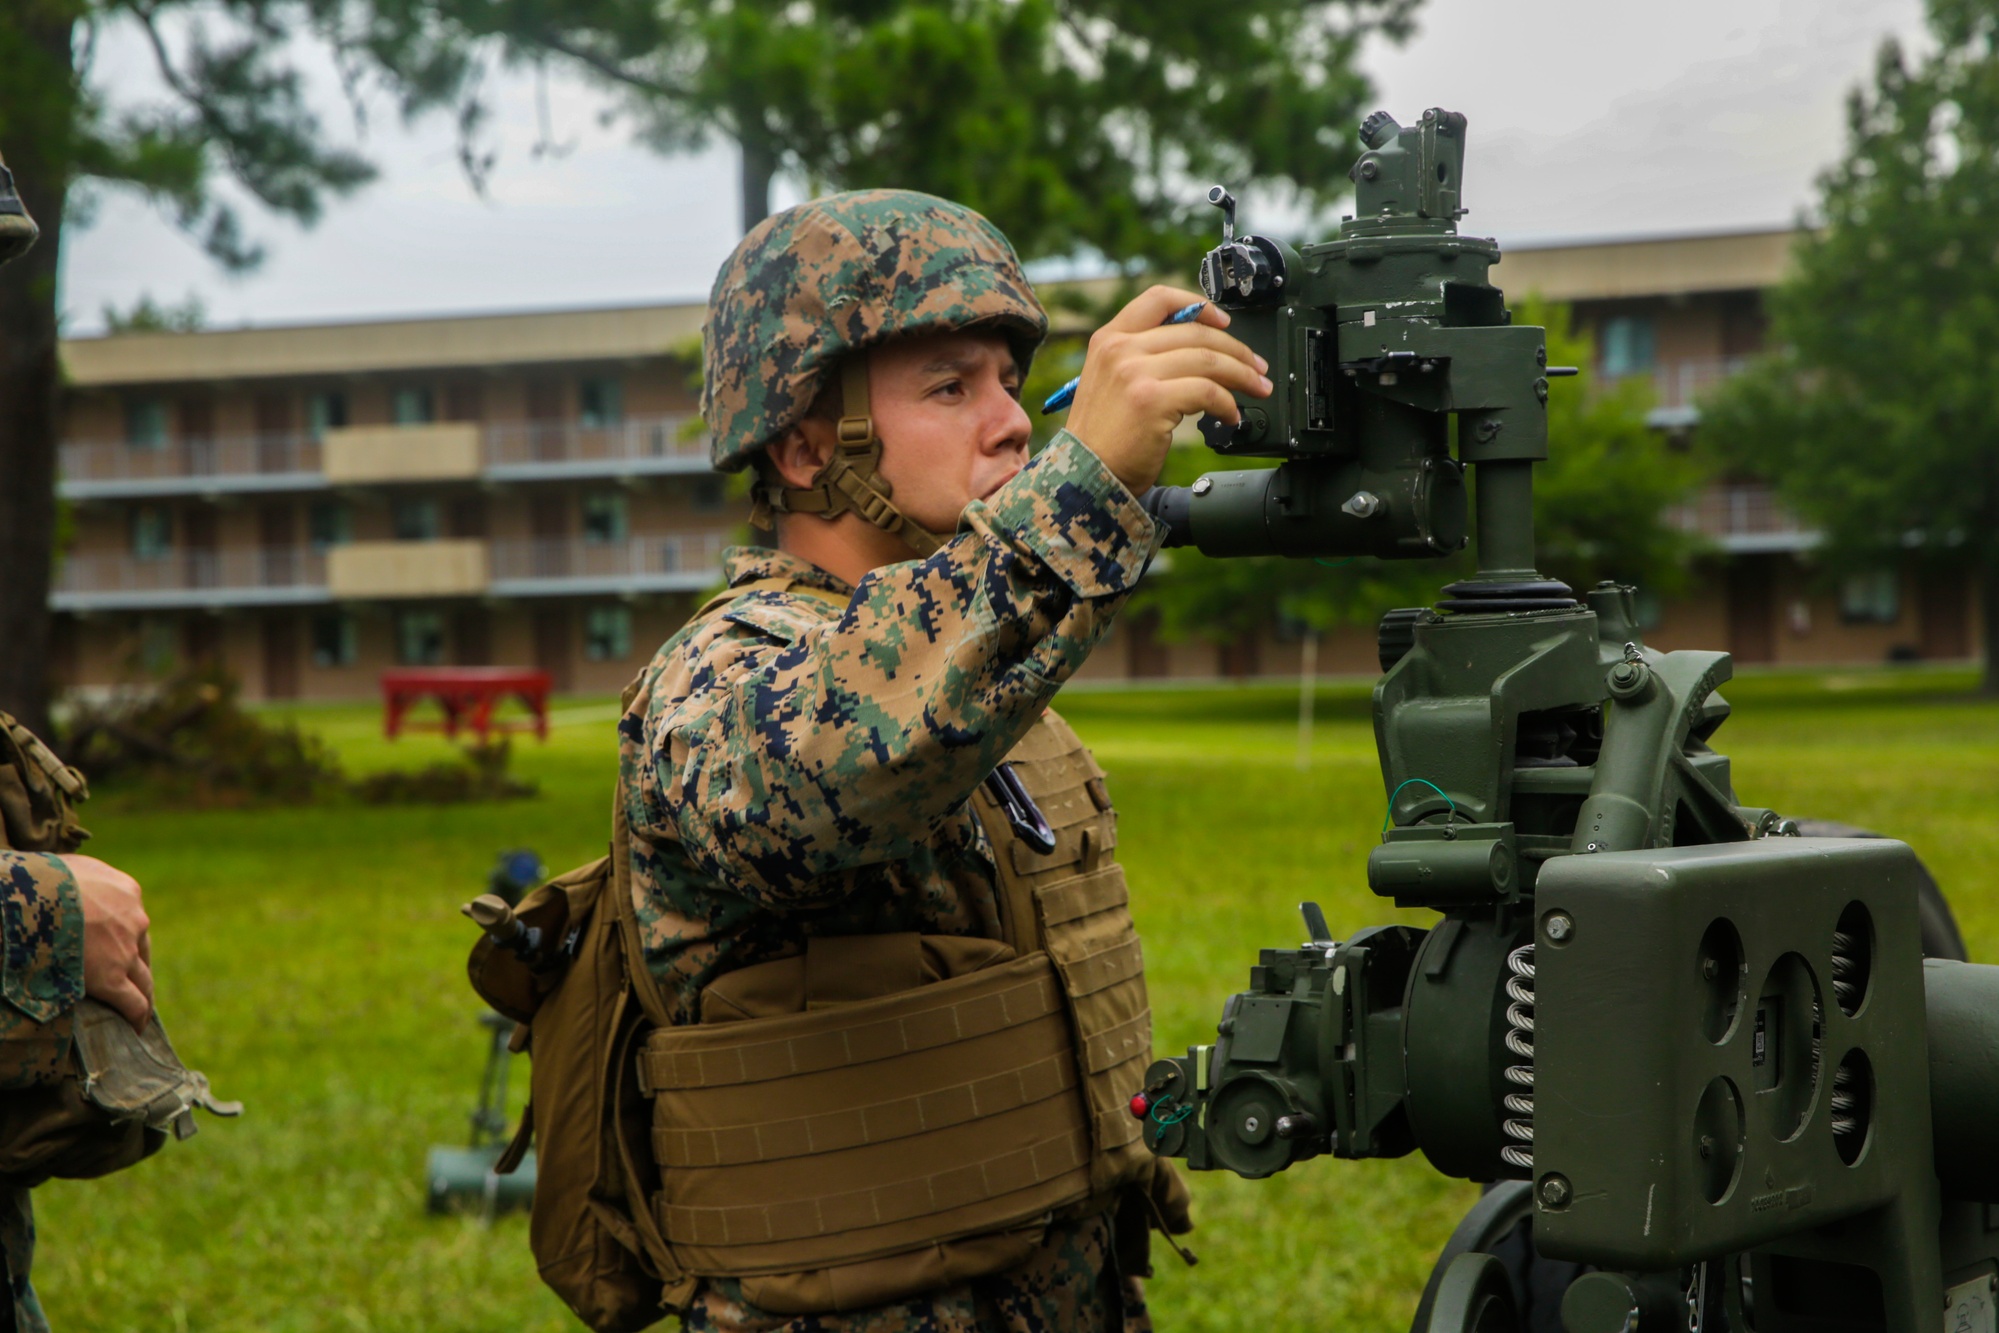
column 794, row 767
column 41, row 955
column 41, row 979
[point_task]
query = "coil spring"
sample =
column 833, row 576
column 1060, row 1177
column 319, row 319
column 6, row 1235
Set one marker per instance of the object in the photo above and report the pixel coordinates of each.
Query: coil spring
column 1845, row 969
column 1845, row 1106
column 1846, row 989
column 1519, row 1106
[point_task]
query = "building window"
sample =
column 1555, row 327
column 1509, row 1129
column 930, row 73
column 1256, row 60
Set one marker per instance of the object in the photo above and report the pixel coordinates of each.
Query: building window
column 145, row 423
column 604, row 517
column 324, row 412
column 417, row 519
column 1873, row 598
column 600, row 404
column 329, row 523
column 709, row 494
column 420, row 638
column 607, row 634
column 1627, row 345
column 412, row 407
column 335, row 639
column 152, row 532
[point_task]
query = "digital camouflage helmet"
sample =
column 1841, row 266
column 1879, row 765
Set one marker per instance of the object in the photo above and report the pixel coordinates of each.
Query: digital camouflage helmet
column 810, row 287
column 17, row 229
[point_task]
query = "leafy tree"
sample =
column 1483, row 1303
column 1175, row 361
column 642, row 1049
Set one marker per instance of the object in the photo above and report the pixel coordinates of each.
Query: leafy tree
column 1076, row 126
column 233, row 109
column 1602, row 510
column 1877, row 419
column 150, row 316
column 1069, row 121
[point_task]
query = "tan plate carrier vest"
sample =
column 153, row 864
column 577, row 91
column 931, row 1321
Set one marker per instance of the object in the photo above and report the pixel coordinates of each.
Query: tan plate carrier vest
column 875, row 1117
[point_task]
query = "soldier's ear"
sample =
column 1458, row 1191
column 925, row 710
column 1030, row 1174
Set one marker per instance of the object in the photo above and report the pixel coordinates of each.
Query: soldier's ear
column 798, row 455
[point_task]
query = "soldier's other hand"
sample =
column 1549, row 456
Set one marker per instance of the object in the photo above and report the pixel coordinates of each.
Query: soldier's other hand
column 117, row 951
column 1141, row 377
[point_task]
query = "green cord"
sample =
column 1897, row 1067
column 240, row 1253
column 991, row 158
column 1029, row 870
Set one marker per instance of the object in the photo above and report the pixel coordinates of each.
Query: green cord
column 1410, row 783
column 1186, row 1109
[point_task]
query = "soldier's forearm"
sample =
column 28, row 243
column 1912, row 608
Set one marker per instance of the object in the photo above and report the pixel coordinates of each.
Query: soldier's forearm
column 848, row 746
column 41, row 964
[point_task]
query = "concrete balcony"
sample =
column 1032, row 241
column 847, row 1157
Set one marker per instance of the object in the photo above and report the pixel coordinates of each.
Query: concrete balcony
column 211, row 580
column 369, row 571
column 688, row 562
column 111, row 470
column 1677, row 388
column 1743, row 518
column 440, row 451
column 377, row 455
column 540, row 451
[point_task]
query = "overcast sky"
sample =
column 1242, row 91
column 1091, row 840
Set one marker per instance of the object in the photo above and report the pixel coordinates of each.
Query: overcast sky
column 1589, row 118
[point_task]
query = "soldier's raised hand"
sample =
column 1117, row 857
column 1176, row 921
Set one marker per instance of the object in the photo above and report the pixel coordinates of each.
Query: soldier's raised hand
column 117, row 951
column 1141, row 377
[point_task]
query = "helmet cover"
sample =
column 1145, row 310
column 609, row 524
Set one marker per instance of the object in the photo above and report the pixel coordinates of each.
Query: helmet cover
column 838, row 275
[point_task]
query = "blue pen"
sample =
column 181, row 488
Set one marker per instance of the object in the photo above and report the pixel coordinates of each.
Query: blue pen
column 1066, row 395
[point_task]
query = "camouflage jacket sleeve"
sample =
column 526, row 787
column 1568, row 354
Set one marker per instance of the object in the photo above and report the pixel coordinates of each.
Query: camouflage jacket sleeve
column 801, row 741
column 41, row 965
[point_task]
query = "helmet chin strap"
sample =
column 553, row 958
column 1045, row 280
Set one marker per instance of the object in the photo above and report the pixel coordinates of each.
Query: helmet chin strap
column 851, row 478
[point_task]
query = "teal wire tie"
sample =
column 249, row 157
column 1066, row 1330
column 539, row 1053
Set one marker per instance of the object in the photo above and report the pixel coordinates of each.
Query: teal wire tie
column 1185, row 1109
column 1410, row 783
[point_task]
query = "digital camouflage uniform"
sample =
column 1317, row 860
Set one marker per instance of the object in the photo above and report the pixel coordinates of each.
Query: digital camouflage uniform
column 41, row 979
column 792, row 770
column 41, row 955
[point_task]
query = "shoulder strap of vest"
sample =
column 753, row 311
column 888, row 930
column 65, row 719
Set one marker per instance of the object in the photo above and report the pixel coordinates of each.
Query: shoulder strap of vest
column 776, row 583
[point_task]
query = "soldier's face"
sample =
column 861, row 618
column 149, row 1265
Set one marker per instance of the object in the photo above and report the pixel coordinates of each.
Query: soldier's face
column 947, row 408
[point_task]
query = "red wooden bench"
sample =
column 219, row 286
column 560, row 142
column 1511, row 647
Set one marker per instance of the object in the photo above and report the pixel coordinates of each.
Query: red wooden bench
column 468, row 696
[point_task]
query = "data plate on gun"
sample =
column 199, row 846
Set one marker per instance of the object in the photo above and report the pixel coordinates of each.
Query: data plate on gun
column 1968, row 1307
column 1259, row 1029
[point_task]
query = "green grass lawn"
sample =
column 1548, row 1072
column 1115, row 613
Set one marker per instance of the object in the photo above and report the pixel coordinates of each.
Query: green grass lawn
column 311, row 961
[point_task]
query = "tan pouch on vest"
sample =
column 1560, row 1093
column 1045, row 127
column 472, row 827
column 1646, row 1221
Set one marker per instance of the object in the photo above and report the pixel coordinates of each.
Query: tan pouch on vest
column 582, row 1022
column 878, row 1117
column 1073, row 902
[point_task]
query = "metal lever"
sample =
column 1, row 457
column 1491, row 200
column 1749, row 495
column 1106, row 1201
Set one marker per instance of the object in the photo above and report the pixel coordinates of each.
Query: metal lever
column 1222, row 199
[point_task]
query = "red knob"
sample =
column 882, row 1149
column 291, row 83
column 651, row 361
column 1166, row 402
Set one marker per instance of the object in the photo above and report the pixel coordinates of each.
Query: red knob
column 1140, row 1105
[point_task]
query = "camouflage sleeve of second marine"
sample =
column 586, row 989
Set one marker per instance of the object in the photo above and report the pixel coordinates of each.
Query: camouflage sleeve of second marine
column 782, row 746
column 41, row 965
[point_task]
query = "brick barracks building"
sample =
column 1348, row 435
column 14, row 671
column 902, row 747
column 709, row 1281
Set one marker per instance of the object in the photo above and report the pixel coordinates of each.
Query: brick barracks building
column 310, row 505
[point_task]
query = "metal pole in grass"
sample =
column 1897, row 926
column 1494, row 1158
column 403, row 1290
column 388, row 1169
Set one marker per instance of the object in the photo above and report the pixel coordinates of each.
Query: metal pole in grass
column 1308, row 672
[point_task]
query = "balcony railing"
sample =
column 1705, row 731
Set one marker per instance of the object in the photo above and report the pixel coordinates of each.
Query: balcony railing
column 1743, row 517
column 686, row 562
column 1681, row 383
column 223, row 462
column 555, row 448
column 262, row 576
column 523, row 451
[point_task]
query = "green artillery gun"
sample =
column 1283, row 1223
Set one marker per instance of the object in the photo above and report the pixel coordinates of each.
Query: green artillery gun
column 1698, row 1055
column 465, row 1177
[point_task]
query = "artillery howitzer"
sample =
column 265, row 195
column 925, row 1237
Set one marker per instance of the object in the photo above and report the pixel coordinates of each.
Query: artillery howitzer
column 1699, row 1058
